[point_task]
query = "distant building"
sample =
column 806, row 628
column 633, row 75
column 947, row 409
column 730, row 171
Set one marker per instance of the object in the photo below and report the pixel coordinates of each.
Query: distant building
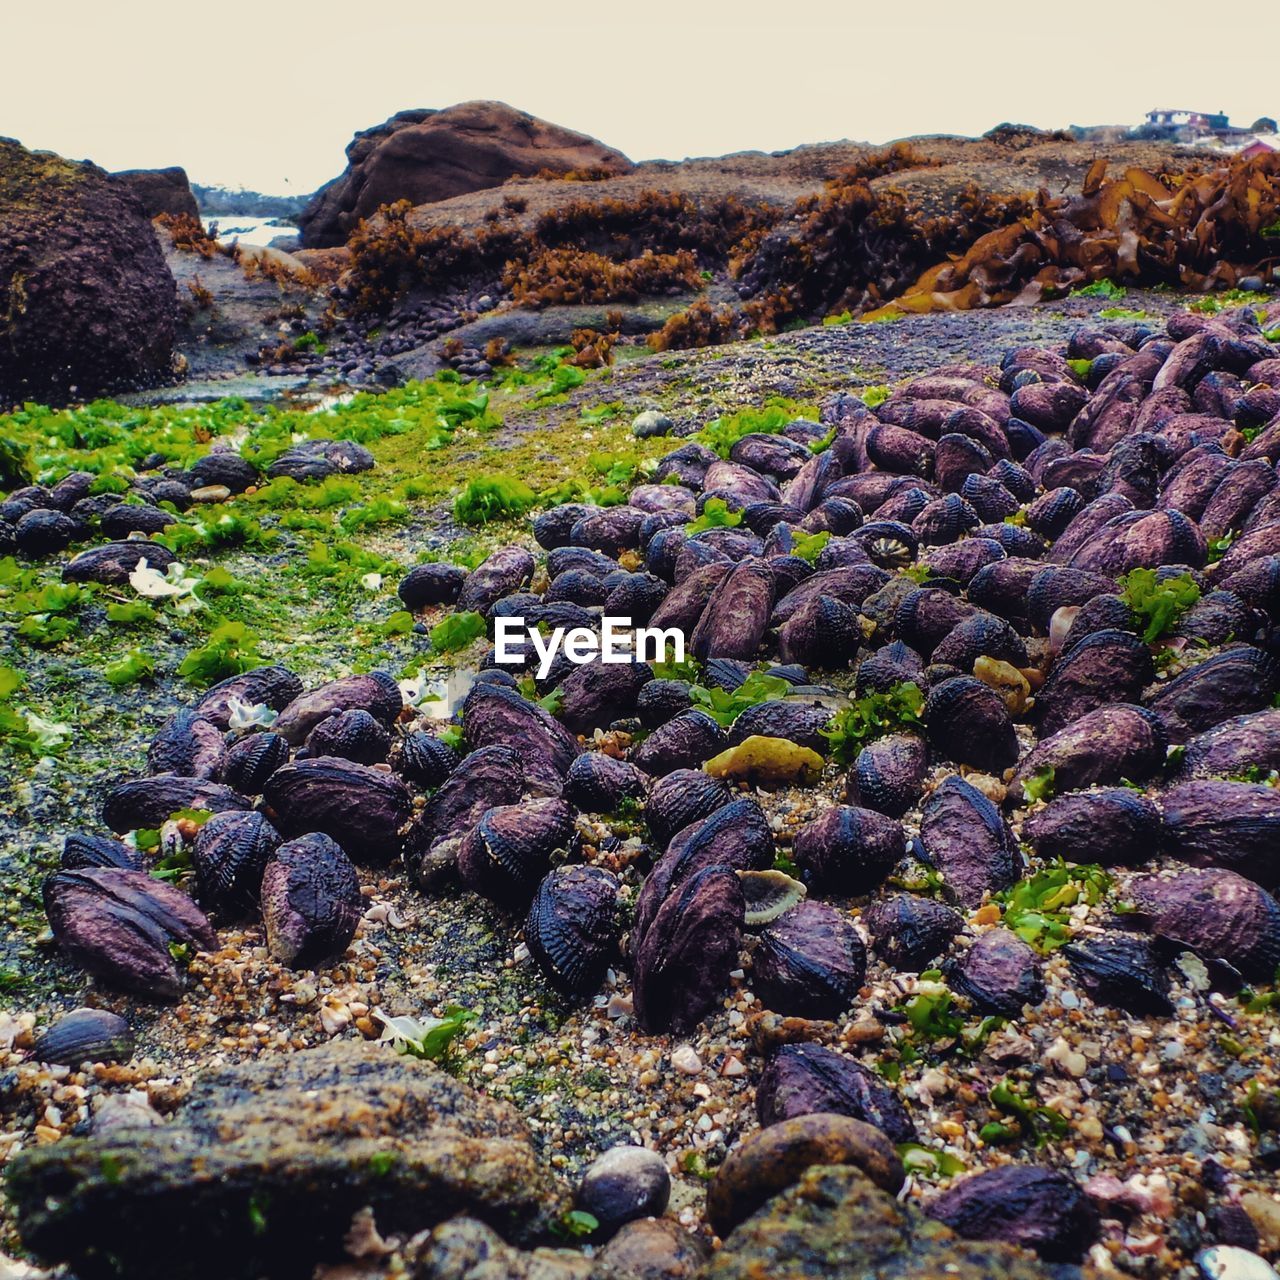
column 1195, row 123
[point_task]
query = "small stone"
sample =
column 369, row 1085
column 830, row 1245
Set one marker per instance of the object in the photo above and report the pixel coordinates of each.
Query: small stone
column 211, row 493
column 651, row 423
column 1265, row 1213
column 623, row 1184
column 654, row 1249
column 685, row 1060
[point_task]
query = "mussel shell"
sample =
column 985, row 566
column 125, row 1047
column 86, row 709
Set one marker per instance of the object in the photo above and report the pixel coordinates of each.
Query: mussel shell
column 810, row 1079
column 910, row 933
column 597, row 693
column 507, row 853
column 496, row 716
column 824, row 633
column 151, row 802
column 1235, row 746
column 684, row 957
column 230, row 853
column 1111, row 826
column 311, row 902
column 662, row 700
column 82, row 850
column 1105, row 667
column 888, row 774
column 360, row 807
column 683, row 742
column 891, row 664
column 927, row 615
column 1231, row 683
column 249, row 762
column 113, row 562
column 187, row 745
column 429, row 584
column 967, row 841
column 981, row 635
column 809, row 963
column 553, row 528
column 791, row 718
column 737, row 614
column 506, row 570
column 681, row 798
column 599, row 783
column 968, row 722
column 424, row 759
column 276, row 687
column 850, row 583
column 572, row 927
column 1225, row 824
column 1123, row 970
column 375, row 692
column 848, row 851
column 350, row 735
column 998, row 974
column 84, row 1035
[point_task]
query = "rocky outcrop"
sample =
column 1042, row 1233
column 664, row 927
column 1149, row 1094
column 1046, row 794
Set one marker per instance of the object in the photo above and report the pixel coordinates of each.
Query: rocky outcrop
column 86, row 302
column 423, row 156
column 267, row 1163
column 160, row 190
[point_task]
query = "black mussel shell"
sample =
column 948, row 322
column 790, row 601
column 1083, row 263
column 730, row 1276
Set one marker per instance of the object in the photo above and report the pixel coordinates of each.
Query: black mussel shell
column 507, row 853
column 82, row 850
column 967, row 841
column 252, row 760
column 683, row 797
column 848, row 851
column 1115, row 825
column 572, row 927
column 911, row 933
column 311, row 902
column 1122, row 969
column 809, row 963
column 85, row 1035
column 599, row 783
column 998, row 974
column 350, row 735
column 968, row 722
column 230, row 853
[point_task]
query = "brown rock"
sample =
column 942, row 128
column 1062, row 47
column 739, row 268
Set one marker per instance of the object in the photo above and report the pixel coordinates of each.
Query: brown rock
column 160, row 190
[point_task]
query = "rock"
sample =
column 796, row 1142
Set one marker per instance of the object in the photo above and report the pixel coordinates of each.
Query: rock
column 651, row 422
column 424, row 156
column 263, row 1168
column 770, row 1160
column 160, row 190
column 87, row 303
column 623, row 1184
column 837, row 1224
column 655, row 1249
column 464, row 1249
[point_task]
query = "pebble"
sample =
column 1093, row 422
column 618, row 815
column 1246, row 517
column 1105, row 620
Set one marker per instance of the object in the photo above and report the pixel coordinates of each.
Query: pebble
column 651, row 423
column 684, row 1058
column 211, row 493
column 623, row 1184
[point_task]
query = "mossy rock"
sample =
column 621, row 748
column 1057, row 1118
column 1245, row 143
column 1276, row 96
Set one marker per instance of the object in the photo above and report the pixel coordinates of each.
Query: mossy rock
column 87, row 304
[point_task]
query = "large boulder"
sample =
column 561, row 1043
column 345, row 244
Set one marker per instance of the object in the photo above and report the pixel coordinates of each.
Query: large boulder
column 86, row 302
column 423, row 156
column 266, row 1164
column 161, row 191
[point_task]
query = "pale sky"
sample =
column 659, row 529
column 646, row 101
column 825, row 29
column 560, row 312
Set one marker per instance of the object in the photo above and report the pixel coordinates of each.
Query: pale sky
column 267, row 96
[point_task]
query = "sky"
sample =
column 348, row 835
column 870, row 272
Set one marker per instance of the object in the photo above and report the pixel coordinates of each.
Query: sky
column 267, row 96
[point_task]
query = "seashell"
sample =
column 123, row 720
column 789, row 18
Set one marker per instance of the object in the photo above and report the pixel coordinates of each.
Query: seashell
column 1122, row 970
column 967, row 721
column 1012, row 539
column 222, row 467
column 657, row 522
column 360, row 807
column 1051, row 513
column 888, row 774
column 42, row 532
column 554, row 528
column 910, row 933
column 1040, row 1209
column 761, row 517
column 767, row 894
column 124, row 518
column 972, row 422
column 597, row 693
column 739, row 485
column 187, row 745
column 960, row 561
column 890, row 665
column 493, row 716
column 1217, row 618
column 900, row 450
column 151, row 802
column 684, row 604
column 84, row 1035
column 1134, row 467
column 318, row 459
column 230, row 853
column 598, row 783
column 889, row 543
column 1001, row 588
column 73, row 488
column 113, row 562
column 375, row 692
column 612, row 530
column 1231, row 683
column 1189, row 483
column 1217, row 914
column 1113, row 744
column 872, row 489
column 249, row 762
column 767, row 762
column 635, row 597
column 684, row 956
column 956, row 458
column 82, row 851
column 1142, row 539
column 121, row 925
column 1049, row 406
column 691, row 554
column 564, row 559
column 506, row 854
column 1235, row 825
column 1056, row 587
column 1015, row 478
column 823, row 633
column 848, row 851
column 981, row 635
column 659, row 498
column 505, row 570
column 572, row 927
column 770, row 1160
column 492, row 775
column 990, row 501
column 1102, row 613
column 1235, row 746
column 944, row 520
column 810, row 1079
column 1116, row 825
column 1086, row 524
column 423, row 759
column 968, row 842
column 773, row 454
column 350, row 735
column 275, row 687
column 430, row 584
column 311, row 902
column 839, row 516
column 1106, row 667
column 928, row 614
column 737, row 614
column 809, row 963
column 1258, row 541
column 736, row 835
column 795, row 719
column 660, row 700
column 683, row 797
column 683, row 742
column 903, row 506
column 998, row 974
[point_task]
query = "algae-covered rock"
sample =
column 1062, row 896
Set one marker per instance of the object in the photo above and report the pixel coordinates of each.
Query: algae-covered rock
column 87, row 304
column 835, row 1223
column 263, row 1168
column 767, row 762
